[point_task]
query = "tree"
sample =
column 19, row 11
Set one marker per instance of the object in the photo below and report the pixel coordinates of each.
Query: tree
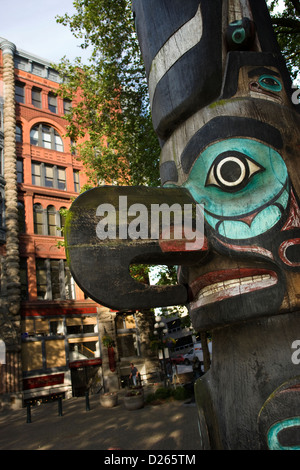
column 113, row 107
column 287, row 29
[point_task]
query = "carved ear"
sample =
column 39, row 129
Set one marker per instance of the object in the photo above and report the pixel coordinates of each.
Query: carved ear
column 109, row 228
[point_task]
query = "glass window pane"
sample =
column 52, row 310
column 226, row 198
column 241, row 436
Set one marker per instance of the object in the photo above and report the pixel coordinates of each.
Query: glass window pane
column 34, row 137
column 76, row 181
column 55, row 279
column 49, row 176
column 41, row 278
column 81, row 349
column 36, row 174
column 46, row 133
column 58, row 142
column 38, row 219
column 19, row 171
column 18, row 133
column 61, row 178
column 51, row 219
column 36, row 97
column 19, row 93
column 52, row 103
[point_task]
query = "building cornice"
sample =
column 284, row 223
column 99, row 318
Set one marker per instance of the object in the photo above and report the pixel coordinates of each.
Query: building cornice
column 7, row 47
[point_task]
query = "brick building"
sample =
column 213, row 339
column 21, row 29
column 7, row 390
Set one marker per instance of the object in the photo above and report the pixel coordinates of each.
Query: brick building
column 50, row 332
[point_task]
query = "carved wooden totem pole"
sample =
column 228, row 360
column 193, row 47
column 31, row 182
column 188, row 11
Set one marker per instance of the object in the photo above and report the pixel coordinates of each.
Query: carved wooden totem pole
column 222, row 108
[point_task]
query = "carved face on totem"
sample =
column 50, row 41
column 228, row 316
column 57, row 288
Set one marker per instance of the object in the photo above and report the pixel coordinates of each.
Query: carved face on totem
column 230, row 135
column 240, row 165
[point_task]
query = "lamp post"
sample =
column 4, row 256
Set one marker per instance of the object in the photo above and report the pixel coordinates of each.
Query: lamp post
column 159, row 330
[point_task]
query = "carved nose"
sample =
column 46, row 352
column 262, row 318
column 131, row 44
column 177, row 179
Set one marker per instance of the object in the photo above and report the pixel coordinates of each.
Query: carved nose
column 254, row 86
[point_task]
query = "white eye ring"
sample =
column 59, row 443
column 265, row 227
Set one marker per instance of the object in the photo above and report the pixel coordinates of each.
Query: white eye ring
column 239, row 163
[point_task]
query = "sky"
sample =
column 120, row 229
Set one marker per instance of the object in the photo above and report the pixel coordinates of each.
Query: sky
column 31, row 26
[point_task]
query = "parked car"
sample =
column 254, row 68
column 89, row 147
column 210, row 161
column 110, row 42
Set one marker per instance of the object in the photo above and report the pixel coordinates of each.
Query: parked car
column 195, row 351
column 188, row 357
column 179, row 359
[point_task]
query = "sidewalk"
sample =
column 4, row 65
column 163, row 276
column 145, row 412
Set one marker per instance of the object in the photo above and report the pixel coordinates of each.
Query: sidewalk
column 168, row 426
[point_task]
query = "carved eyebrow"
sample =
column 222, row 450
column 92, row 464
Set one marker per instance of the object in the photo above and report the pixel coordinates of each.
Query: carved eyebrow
column 261, row 71
column 226, row 127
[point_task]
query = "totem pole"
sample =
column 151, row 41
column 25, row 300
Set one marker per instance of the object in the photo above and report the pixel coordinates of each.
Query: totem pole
column 222, row 108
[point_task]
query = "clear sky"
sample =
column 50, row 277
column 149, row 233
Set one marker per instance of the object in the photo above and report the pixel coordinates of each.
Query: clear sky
column 31, row 26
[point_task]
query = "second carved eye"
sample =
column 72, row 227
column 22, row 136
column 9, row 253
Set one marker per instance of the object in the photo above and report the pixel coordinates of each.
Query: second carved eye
column 231, row 171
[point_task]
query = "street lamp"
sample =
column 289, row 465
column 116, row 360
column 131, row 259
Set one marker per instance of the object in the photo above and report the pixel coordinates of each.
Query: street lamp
column 159, row 330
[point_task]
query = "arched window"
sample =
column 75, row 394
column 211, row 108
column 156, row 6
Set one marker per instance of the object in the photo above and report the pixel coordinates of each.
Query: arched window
column 51, row 220
column 38, row 218
column 62, row 218
column 42, row 135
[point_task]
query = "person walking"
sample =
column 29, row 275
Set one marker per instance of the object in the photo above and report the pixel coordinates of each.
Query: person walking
column 133, row 373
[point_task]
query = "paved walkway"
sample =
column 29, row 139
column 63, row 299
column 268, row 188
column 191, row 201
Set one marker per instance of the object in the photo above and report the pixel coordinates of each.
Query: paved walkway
column 168, row 426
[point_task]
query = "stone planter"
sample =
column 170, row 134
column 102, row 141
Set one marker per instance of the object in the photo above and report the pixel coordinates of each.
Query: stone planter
column 108, row 400
column 134, row 402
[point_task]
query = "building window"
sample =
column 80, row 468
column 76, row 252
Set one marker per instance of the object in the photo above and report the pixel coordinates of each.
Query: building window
column 36, row 173
column 62, row 219
column 67, row 106
column 23, row 279
column 52, row 103
column 19, row 133
column 48, row 222
column 20, row 92
column 51, row 221
column 38, row 219
column 1, row 210
column 76, row 181
column 1, row 162
column 45, row 136
column 54, row 280
column 61, row 178
column 20, row 173
column 50, row 176
column 36, row 97
column 21, row 217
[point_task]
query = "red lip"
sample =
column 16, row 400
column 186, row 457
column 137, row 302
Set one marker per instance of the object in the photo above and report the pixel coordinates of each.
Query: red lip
column 225, row 275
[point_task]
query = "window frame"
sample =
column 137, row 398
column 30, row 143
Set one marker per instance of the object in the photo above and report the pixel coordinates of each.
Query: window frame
column 36, row 97
column 19, row 86
column 41, row 131
column 52, row 102
column 59, row 183
column 57, row 280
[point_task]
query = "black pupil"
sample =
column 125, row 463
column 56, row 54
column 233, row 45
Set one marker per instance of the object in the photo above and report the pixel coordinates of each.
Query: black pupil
column 269, row 81
column 230, row 171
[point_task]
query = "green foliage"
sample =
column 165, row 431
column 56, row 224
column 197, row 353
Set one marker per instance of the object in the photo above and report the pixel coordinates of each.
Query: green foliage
column 287, row 28
column 163, row 393
column 122, row 147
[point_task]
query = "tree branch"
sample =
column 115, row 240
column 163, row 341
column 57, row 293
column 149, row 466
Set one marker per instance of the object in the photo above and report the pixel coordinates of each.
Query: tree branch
column 287, row 22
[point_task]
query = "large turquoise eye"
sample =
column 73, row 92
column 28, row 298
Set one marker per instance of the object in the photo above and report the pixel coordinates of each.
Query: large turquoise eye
column 231, row 171
column 270, row 83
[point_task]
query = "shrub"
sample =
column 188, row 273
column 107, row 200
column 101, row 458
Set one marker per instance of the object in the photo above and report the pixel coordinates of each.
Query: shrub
column 162, row 393
column 180, row 393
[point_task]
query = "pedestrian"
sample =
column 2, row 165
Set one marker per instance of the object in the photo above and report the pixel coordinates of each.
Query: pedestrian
column 197, row 368
column 133, row 373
